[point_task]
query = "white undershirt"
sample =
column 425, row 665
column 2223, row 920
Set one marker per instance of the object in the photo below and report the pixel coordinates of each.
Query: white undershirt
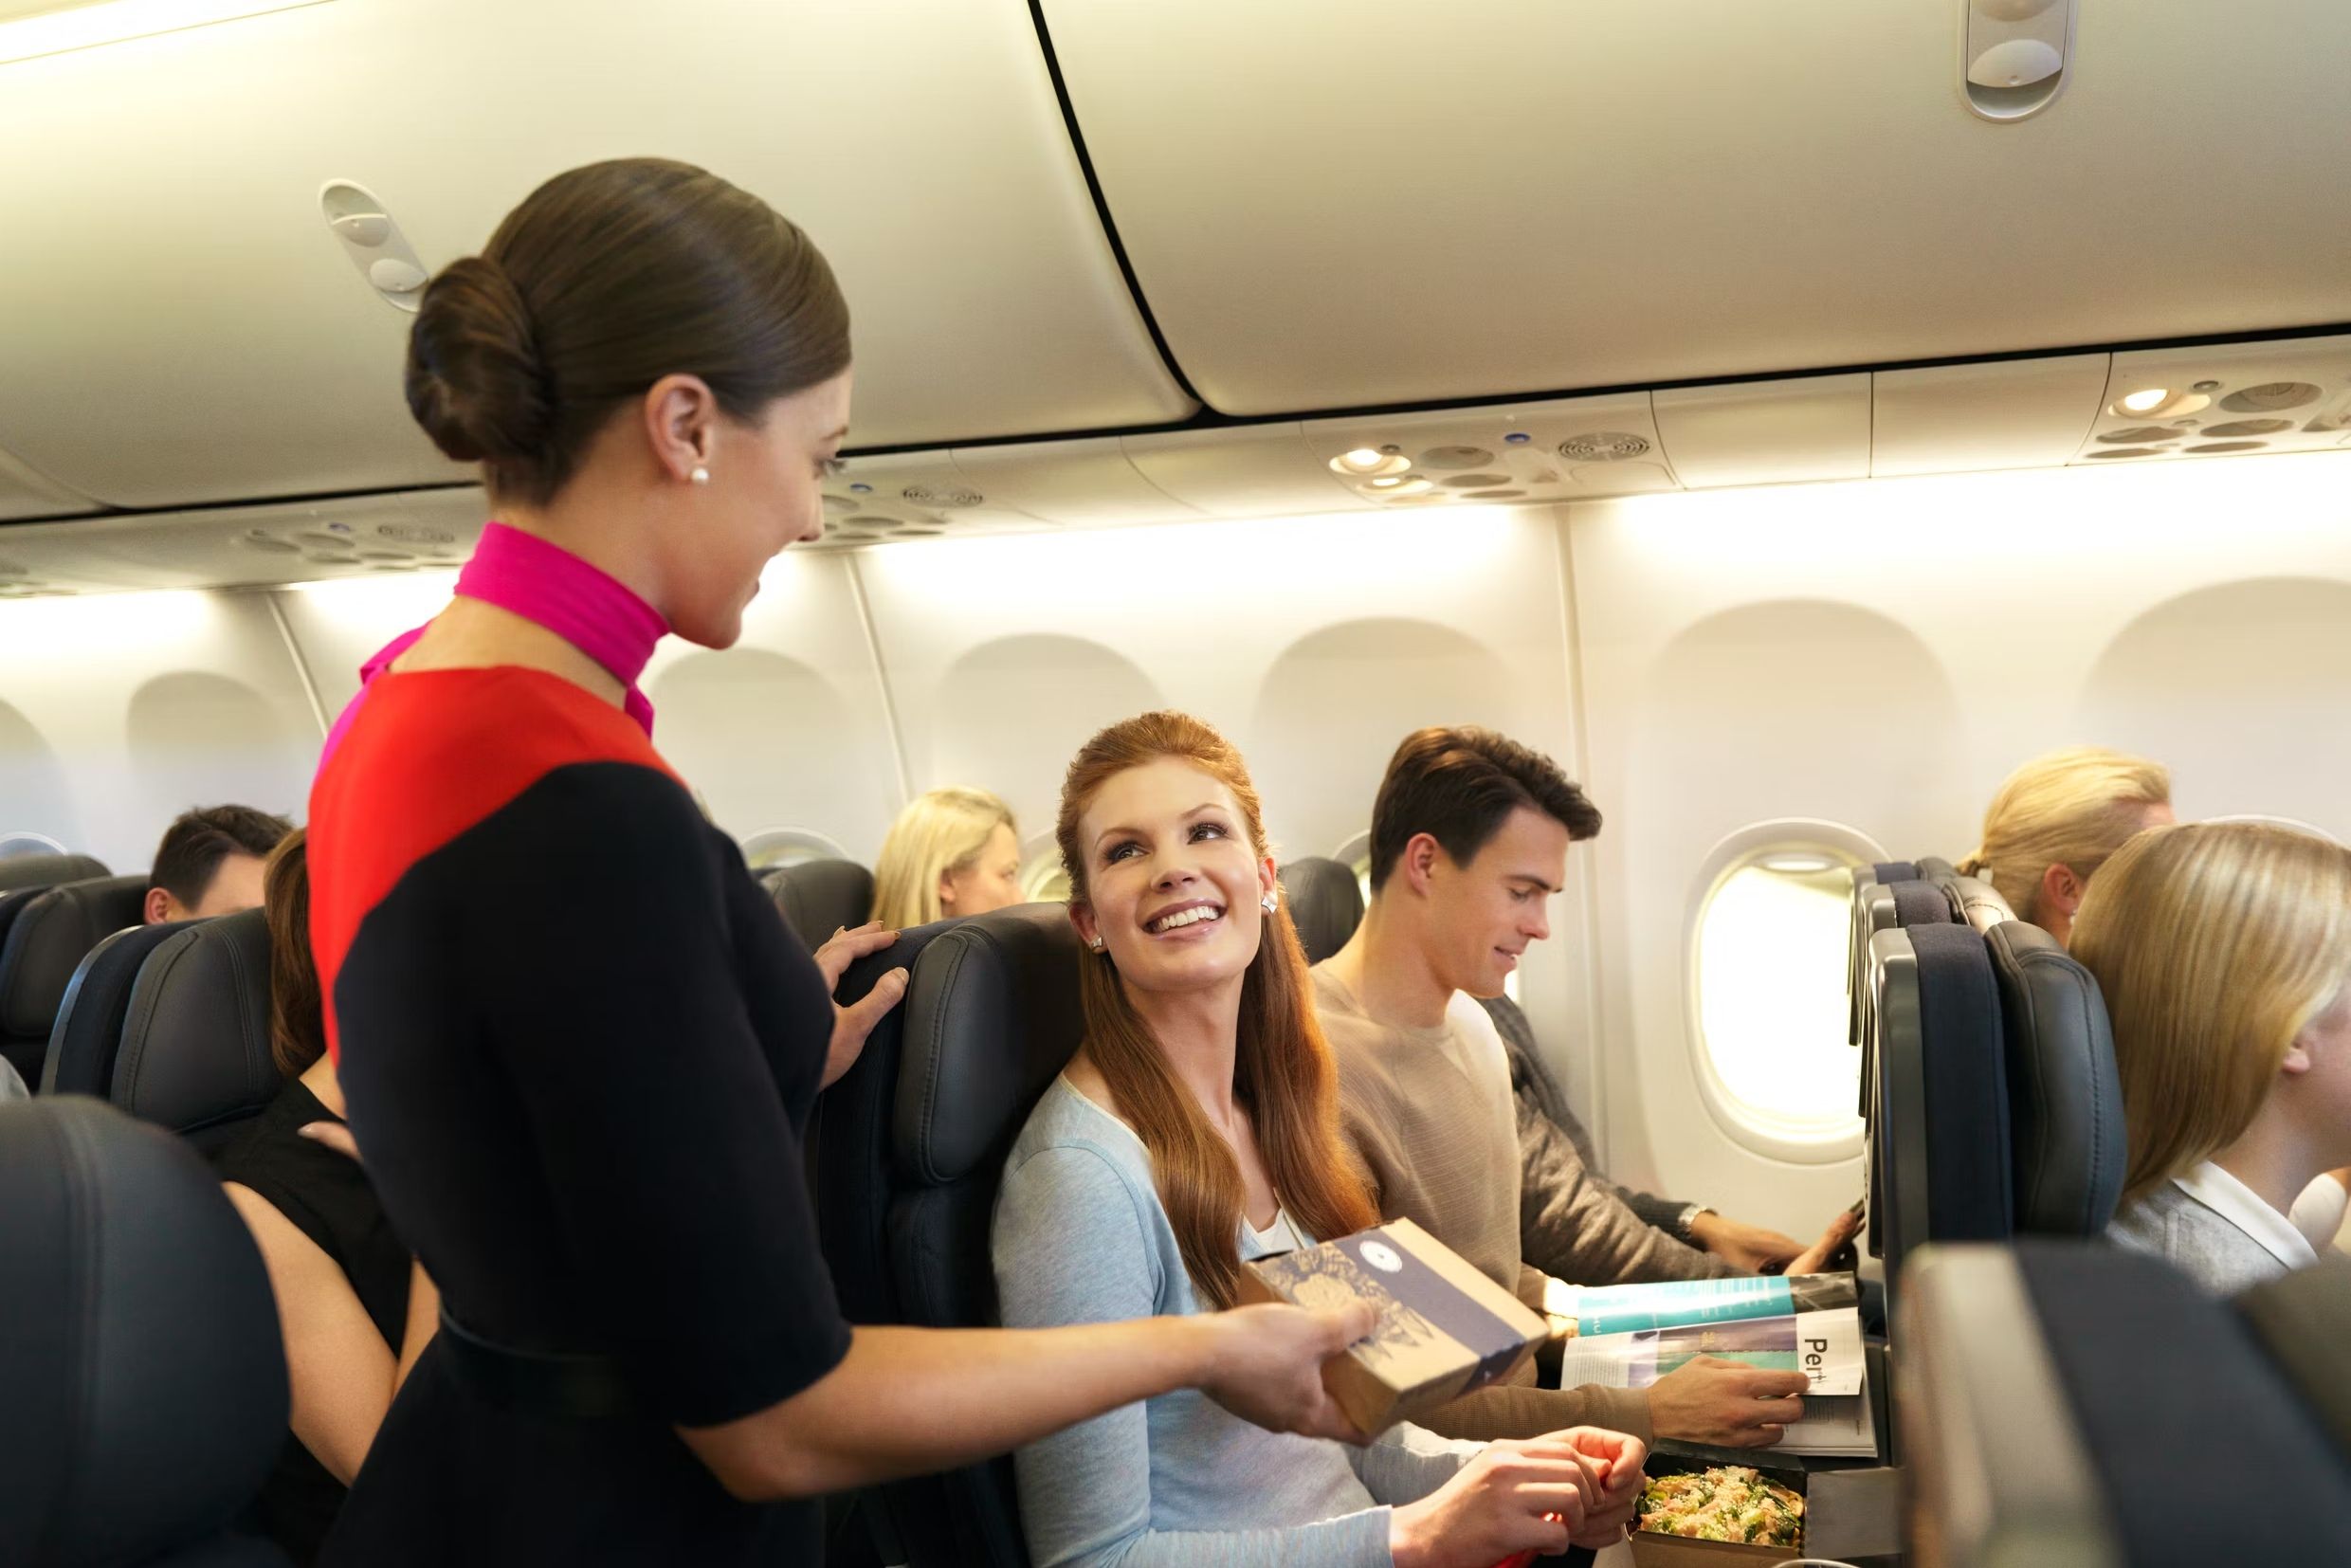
column 2222, row 1193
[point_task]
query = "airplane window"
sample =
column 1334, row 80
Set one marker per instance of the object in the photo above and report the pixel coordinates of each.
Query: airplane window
column 27, row 843
column 1357, row 855
column 778, row 847
column 1041, row 877
column 1768, row 954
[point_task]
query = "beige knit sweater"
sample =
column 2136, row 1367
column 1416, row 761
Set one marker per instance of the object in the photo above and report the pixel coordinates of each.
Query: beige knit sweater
column 1429, row 1113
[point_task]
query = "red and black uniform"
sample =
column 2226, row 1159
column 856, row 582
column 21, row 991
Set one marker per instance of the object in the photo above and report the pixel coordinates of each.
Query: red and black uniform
column 579, row 1051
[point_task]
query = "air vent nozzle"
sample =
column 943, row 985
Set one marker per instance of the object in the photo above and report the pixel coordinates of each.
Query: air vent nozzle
column 1603, row 447
column 944, row 497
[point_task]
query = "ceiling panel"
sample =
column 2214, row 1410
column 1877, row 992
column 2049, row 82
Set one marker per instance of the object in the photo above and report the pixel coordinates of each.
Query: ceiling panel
column 1351, row 203
column 2013, row 413
column 1767, row 432
column 183, row 327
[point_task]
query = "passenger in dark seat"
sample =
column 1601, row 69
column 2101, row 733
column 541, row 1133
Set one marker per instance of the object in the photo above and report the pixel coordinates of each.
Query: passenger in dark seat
column 209, row 863
column 355, row 1309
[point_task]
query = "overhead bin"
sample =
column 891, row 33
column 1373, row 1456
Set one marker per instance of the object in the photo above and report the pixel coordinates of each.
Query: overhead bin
column 183, row 326
column 26, row 494
column 2011, row 414
column 1372, row 202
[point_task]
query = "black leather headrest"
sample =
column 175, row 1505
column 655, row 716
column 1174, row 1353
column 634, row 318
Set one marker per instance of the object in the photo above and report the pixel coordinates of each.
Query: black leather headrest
column 146, row 1391
column 992, row 1015
column 2064, row 1099
column 98, row 1001
column 820, row 897
column 1981, row 905
column 47, row 870
column 48, row 939
column 195, row 1044
column 1326, row 904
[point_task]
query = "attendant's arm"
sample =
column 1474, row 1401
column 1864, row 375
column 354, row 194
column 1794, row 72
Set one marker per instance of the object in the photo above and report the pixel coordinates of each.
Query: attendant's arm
column 342, row 1373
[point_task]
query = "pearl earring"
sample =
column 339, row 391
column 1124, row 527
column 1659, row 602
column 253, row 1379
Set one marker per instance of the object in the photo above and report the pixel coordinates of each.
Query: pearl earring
column 700, row 475
column 1266, row 903
column 1095, row 944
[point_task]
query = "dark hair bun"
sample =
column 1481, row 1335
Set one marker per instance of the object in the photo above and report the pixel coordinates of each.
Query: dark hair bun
column 475, row 379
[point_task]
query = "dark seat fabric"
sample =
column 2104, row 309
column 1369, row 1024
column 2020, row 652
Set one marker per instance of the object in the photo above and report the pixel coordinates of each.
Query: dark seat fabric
column 820, row 897
column 2304, row 1321
column 195, row 1038
column 98, row 1001
column 47, row 870
column 46, row 943
column 2154, row 1370
column 1919, row 903
column 145, row 1389
column 1326, row 904
column 2066, row 1131
column 912, row 1142
column 1894, row 870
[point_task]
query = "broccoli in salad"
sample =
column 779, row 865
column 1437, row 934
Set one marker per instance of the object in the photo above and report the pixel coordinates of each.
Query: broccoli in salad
column 1731, row 1503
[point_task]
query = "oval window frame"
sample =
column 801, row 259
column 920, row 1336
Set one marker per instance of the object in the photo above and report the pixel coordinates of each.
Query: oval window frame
column 1774, row 1136
column 798, row 846
column 24, row 843
column 1043, row 878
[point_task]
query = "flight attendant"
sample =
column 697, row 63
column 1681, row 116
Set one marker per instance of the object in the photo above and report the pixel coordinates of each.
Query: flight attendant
column 579, row 1049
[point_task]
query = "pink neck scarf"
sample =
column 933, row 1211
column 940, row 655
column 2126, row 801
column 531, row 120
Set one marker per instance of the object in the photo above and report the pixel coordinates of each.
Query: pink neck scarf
column 547, row 586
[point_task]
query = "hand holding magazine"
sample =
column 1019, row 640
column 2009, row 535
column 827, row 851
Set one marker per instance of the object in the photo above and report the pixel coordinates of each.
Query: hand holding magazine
column 1628, row 1335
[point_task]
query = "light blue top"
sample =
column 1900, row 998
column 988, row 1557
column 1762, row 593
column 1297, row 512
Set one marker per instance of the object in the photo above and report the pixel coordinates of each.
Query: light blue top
column 1079, row 1237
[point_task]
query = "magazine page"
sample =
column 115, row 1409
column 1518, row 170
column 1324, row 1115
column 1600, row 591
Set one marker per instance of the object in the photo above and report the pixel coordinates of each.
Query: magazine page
column 1825, row 1346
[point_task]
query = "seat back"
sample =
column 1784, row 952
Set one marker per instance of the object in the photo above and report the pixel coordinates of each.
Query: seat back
column 46, row 943
column 47, row 870
column 2065, row 1096
column 146, row 1391
column 1939, row 1162
column 819, row 897
column 991, row 1015
column 97, row 1000
column 1979, row 902
column 196, row 1039
column 2049, row 1391
column 1325, row 903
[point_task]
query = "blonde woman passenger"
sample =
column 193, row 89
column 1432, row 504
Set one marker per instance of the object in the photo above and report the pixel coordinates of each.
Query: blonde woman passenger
column 2056, row 820
column 2223, row 950
column 952, row 852
column 1198, row 1126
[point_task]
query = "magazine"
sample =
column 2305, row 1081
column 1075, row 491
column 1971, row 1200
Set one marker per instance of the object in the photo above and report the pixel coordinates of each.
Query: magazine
column 1630, row 1336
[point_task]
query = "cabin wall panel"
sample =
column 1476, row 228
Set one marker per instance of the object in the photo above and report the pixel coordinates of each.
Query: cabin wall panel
column 1882, row 653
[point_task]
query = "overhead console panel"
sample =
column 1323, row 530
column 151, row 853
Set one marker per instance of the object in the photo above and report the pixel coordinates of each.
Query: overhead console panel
column 1362, row 203
column 184, row 326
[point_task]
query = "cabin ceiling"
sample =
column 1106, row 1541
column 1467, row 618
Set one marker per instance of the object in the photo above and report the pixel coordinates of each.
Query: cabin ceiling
column 1374, row 206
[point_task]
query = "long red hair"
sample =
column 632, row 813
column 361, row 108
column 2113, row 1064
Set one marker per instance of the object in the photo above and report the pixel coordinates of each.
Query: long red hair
column 1282, row 1074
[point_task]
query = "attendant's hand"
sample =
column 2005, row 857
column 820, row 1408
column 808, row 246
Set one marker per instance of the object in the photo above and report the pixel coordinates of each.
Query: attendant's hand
column 852, row 1023
column 1749, row 1248
column 1832, row 1240
column 1513, row 1497
column 1266, row 1365
column 1730, row 1404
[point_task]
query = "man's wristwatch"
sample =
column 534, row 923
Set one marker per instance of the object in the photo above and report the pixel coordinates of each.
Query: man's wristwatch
column 1686, row 1220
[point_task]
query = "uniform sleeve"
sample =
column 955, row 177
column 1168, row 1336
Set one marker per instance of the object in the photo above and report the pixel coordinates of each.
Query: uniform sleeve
column 1070, row 1247
column 614, row 994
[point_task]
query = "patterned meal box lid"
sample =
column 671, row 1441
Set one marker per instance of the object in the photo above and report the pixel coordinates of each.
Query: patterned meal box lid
column 1444, row 1330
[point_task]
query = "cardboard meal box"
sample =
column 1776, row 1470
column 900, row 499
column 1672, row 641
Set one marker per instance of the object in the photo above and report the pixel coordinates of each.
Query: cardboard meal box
column 1444, row 1328
column 1653, row 1550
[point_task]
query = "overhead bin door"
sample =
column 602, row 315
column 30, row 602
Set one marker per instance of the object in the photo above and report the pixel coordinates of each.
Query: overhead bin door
column 1336, row 203
column 181, row 326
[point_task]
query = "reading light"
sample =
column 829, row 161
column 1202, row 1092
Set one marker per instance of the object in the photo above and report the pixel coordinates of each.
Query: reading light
column 1386, row 483
column 2141, row 402
column 1365, row 462
column 1399, row 486
column 56, row 29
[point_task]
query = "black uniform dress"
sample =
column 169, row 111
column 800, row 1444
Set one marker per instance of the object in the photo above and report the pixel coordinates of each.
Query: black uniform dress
column 580, row 1050
column 327, row 1197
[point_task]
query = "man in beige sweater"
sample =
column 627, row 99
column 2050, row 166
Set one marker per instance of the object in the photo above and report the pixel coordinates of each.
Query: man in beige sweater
column 1469, row 840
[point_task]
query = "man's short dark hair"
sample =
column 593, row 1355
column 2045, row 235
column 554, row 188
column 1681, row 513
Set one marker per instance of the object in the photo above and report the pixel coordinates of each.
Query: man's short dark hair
column 1457, row 784
column 197, row 843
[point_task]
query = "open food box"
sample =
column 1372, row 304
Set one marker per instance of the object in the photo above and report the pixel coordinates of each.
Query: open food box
column 1653, row 1549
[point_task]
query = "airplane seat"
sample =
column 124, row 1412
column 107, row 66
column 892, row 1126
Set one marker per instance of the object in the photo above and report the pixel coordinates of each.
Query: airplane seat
column 2066, row 1401
column 47, row 941
column 47, row 870
column 1937, row 1126
column 2304, row 1321
column 1874, row 909
column 2065, row 1129
column 1326, row 903
column 98, row 1002
column 1979, row 903
column 139, row 1346
column 909, row 1163
column 194, row 1055
column 819, row 897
